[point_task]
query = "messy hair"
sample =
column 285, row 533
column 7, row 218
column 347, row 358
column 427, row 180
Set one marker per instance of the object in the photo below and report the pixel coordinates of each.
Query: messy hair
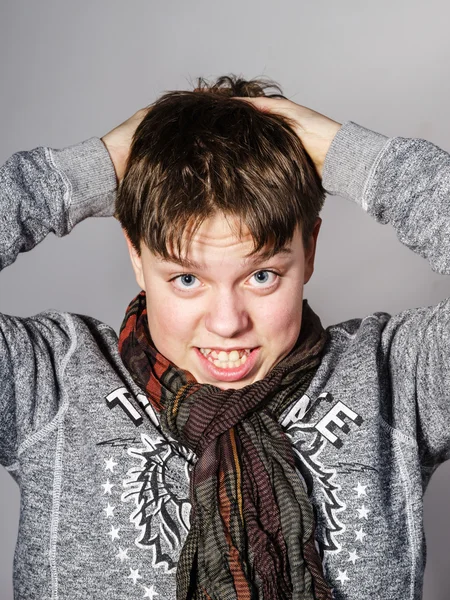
column 202, row 152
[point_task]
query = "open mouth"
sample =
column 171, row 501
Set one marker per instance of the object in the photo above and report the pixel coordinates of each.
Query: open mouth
column 227, row 366
column 226, row 360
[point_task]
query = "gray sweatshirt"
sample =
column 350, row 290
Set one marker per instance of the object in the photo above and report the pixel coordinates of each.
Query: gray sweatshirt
column 105, row 496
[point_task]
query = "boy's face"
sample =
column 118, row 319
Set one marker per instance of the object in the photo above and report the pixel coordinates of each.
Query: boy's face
column 226, row 302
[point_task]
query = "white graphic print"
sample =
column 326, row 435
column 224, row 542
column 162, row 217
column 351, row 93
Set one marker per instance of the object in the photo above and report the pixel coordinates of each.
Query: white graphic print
column 332, row 505
column 157, row 487
column 342, row 577
column 122, row 554
column 156, row 490
column 360, row 490
column 134, row 575
column 146, row 511
column 107, row 487
column 308, row 447
column 359, row 535
column 343, row 513
column 114, row 533
column 150, row 593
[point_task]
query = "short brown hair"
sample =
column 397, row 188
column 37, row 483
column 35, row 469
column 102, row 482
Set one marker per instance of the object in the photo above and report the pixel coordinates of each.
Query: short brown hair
column 202, row 152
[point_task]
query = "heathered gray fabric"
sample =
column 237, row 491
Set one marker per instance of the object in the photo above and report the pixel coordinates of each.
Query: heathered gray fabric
column 105, row 505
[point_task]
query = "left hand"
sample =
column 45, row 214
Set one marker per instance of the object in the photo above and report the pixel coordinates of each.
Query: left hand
column 316, row 131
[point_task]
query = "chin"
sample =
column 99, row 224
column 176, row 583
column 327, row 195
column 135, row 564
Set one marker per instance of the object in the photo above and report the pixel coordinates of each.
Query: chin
column 235, row 385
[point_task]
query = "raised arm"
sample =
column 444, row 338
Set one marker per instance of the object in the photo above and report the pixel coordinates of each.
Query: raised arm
column 400, row 181
column 45, row 191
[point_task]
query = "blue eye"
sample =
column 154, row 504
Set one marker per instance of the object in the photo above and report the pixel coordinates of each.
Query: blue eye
column 264, row 276
column 187, row 280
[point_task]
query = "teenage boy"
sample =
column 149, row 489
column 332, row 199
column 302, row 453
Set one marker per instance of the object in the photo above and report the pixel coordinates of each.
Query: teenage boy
column 206, row 451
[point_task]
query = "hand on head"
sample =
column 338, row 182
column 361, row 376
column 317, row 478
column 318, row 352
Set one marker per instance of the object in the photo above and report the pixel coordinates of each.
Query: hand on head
column 316, row 131
column 118, row 141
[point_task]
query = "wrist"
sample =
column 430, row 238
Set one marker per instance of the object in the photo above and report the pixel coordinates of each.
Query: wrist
column 326, row 140
column 117, row 155
column 350, row 159
column 90, row 178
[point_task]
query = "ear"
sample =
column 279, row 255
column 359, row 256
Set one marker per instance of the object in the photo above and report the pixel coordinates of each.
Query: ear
column 310, row 251
column 136, row 261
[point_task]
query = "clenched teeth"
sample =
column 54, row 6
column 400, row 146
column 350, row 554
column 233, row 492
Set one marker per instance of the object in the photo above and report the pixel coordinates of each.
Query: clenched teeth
column 226, row 360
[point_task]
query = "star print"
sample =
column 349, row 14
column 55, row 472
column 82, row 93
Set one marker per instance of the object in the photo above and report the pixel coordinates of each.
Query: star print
column 114, row 533
column 109, row 510
column 363, row 512
column 360, row 490
column 134, row 575
column 353, row 557
column 108, row 487
column 342, row 577
column 150, row 592
column 123, row 554
column 360, row 535
column 110, row 464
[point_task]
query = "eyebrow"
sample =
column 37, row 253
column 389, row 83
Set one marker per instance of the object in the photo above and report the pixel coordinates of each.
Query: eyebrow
column 260, row 257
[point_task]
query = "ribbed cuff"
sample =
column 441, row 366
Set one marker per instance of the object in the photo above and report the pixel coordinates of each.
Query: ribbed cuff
column 350, row 159
column 90, row 177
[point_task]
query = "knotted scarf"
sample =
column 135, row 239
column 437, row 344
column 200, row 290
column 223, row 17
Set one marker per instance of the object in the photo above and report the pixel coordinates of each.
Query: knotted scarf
column 252, row 524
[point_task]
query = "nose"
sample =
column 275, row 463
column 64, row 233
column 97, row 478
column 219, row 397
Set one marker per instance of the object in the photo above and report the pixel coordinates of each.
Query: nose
column 227, row 316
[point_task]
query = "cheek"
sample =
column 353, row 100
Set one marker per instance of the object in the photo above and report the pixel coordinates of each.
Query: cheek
column 282, row 312
column 171, row 321
column 282, row 326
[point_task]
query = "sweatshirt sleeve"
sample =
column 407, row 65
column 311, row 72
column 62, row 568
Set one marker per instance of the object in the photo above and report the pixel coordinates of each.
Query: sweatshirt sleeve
column 42, row 191
column 406, row 183
column 400, row 181
column 46, row 190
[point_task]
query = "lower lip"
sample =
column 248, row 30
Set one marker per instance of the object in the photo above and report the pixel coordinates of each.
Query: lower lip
column 233, row 374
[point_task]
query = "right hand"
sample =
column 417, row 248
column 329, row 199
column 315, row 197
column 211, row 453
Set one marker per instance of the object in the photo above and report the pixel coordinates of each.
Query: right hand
column 316, row 131
column 118, row 141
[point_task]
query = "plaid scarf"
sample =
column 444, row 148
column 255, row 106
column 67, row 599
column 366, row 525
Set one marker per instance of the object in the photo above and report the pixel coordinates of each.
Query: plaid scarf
column 252, row 524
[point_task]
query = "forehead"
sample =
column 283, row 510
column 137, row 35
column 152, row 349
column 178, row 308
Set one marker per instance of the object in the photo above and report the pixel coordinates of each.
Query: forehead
column 223, row 237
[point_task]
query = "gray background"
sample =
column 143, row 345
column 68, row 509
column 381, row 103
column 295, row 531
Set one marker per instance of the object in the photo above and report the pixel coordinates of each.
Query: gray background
column 73, row 70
